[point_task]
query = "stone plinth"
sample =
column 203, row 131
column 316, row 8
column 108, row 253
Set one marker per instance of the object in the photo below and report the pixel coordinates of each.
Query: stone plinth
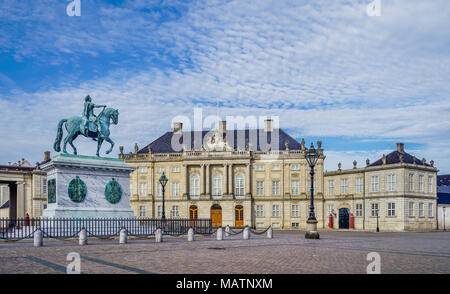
column 311, row 229
column 87, row 187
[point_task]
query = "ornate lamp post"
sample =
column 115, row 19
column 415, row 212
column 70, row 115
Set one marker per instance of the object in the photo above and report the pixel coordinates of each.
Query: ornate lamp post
column 163, row 181
column 311, row 224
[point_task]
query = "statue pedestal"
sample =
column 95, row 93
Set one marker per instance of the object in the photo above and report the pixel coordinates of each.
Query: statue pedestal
column 87, row 187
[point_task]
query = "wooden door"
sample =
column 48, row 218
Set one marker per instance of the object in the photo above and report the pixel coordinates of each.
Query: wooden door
column 193, row 214
column 239, row 216
column 216, row 216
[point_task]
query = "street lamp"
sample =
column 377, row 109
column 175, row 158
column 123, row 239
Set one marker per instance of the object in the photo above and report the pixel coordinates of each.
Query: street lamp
column 163, row 181
column 311, row 224
column 378, row 229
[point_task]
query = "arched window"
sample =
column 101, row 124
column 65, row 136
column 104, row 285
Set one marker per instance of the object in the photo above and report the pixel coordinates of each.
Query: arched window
column 239, row 185
column 195, row 186
column 217, row 185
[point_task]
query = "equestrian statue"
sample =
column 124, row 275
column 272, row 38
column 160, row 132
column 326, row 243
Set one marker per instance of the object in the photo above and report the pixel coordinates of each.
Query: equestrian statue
column 88, row 125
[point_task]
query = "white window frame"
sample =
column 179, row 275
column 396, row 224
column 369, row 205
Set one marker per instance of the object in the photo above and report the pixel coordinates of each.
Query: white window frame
column 44, row 186
column 295, row 187
column 194, row 187
column 143, row 170
column 259, row 188
column 421, row 208
column 391, row 209
column 217, row 185
column 391, row 181
column 259, row 210
column 430, row 184
column 430, row 209
column 259, row 167
column 411, row 209
column 411, row 182
column 160, row 169
column 421, row 189
column 359, row 185
column 142, row 189
column 295, row 166
column 276, row 188
column 359, row 209
column 142, row 211
column 374, row 184
column 374, row 208
column 159, row 210
column 295, row 210
column 275, row 210
column 276, row 166
column 175, row 187
column 175, row 169
column 330, row 187
column 344, row 186
column 175, row 212
column 239, row 185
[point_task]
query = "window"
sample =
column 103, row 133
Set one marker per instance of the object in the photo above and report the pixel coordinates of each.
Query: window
column 359, row 185
column 420, row 183
column 295, row 166
column 143, row 170
column 275, row 187
column 391, row 182
column 391, row 208
column 260, row 225
column 330, row 187
column 374, row 209
column 421, row 209
column 330, row 209
column 430, row 209
column 142, row 212
column 411, row 209
column 275, row 167
column 175, row 188
column 217, row 185
column 44, row 186
column 375, row 184
column 344, row 186
column 294, row 225
column 259, row 210
column 430, row 184
column 175, row 212
column 176, row 169
column 259, row 188
column 275, row 210
column 195, row 186
column 295, row 210
column 294, row 188
column 411, row 182
column 159, row 210
column 259, row 167
column 160, row 169
column 239, row 185
column 358, row 209
column 143, row 189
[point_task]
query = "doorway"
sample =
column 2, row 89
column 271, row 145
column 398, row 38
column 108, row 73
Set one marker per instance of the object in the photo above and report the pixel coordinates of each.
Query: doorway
column 343, row 218
column 239, row 216
column 216, row 215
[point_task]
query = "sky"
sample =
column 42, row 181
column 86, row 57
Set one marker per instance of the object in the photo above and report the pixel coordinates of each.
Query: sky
column 327, row 69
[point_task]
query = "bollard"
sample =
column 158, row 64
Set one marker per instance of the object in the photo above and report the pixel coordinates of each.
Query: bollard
column 270, row 233
column 246, row 234
column 219, row 234
column 158, row 236
column 123, row 238
column 83, row 237
column 38, row 238
column 191, row 235
column 227, row 231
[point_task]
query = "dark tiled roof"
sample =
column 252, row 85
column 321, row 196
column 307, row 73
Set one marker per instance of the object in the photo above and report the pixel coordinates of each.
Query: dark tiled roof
column 443, row 198
column 5, row 205
column 163, row 143
column 443, row 180
column 16, row 167
column 394, row 157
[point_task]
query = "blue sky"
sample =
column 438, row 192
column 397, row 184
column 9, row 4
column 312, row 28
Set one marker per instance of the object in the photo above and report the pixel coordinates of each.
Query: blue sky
column 327, row 69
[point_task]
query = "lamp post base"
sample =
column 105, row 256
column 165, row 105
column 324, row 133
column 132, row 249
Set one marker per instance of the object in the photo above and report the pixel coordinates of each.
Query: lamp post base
column 311, row 230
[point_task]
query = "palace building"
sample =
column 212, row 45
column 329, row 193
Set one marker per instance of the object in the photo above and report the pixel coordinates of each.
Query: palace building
column 235, row 179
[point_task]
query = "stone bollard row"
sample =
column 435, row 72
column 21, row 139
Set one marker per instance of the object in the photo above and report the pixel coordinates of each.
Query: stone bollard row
column 219, row 234
column 83, row 237
column 123, row 237
column 158, row 236
column 191, row 235
column 270, row 233
column 38, row 238
column 227, row 231
column 246, row 234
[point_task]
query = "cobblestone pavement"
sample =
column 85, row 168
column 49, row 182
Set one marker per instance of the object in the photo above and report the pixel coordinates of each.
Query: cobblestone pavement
column 288, row 252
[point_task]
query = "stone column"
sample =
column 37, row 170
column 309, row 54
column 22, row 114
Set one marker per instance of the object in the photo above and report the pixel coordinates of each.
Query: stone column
column 202, row 179
column 225, row 179
column 208, row 180
column 248, row 181
column 230, row 179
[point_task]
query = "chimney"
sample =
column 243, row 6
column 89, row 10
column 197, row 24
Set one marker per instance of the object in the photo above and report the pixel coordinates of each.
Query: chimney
column 268, row 125
column 46, row 155
column 177, row 127
column 401, row 147
column 222, row 126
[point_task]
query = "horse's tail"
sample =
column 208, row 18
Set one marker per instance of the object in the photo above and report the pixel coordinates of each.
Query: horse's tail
column 57, row 144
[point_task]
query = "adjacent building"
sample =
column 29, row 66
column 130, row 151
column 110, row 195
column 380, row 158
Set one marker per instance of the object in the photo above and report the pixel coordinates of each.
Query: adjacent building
column 213, row 176
column 443, row 194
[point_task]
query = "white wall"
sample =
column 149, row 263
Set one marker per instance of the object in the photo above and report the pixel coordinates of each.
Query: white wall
column 441, row 216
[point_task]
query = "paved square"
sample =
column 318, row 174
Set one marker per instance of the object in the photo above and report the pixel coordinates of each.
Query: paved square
column 288, row 252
